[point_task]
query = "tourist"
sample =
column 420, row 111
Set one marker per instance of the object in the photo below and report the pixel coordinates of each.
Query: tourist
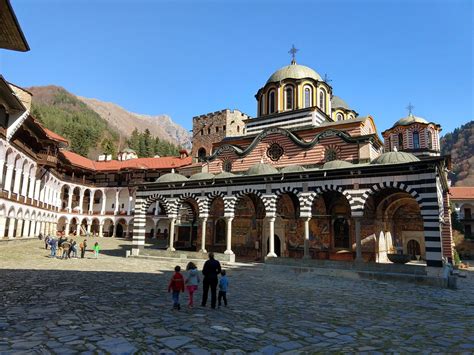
column 223, row 286
column 211, row 269
column 46, row 241
column 66, row 246
column 176, row 285
column 96, row 249
column 53, row 243
column 83, row 247
column 192, row 281
column 73, row 248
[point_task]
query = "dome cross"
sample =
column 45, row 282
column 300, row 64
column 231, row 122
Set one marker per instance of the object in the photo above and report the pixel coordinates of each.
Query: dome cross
column 293, row 51
column 410, row 108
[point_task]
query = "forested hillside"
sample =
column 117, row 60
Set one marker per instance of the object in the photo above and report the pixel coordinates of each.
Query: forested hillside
column 460, row 145
column 89, row 134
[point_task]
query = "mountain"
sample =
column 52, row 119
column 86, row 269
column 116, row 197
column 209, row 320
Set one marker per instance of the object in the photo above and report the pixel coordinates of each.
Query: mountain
column 460, row 145
column 94, row 127
column 125, row 122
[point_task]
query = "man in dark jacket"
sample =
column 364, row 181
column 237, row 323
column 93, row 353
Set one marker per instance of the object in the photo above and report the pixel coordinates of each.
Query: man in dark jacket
column 211, row 269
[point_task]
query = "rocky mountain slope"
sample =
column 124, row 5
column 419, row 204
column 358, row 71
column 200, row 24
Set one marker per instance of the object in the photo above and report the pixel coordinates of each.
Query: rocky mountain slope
column 460, row 145
column 125, row 122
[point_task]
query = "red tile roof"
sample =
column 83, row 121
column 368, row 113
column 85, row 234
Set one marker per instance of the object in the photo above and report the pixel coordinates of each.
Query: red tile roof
column 134, row 164
column 462, row 193
column 54, row 136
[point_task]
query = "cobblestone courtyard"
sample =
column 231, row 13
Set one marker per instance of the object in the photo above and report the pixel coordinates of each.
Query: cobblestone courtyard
column 120, row 305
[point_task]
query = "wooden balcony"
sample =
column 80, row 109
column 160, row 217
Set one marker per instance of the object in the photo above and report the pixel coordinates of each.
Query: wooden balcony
column 47, row 159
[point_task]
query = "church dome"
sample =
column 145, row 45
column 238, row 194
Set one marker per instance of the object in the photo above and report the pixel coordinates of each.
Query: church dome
column 261, row 169
column 292, row 169
column 394, row 158
column 225, row 175
column 202, row 176
column 405, row 121
column 337, row 102
column 336, row 164
column 293, row 71
column 172, row 177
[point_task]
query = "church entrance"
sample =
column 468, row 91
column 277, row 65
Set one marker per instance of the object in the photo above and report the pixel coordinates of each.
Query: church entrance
column 413, row 249
column 119, row 231
column 341, row 233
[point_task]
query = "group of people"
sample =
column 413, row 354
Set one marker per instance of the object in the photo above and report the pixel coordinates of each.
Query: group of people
column 65, row 249
column 211, row 271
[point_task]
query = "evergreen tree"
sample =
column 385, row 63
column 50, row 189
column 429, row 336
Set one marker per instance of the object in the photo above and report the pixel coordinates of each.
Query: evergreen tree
column 108, row 147
column 148, row 144
column 134, row 141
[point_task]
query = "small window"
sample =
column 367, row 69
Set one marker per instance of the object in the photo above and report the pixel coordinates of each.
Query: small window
column 217, row 129
column 289, row 98
column 400, row 141
column 238, row 129
column 339, row 117
column 389, row 144
column 430, row 140
column 308, row 97
column 416, row 140
column 208, row 131
column 322, row 100
column 271, row 102
column 113, row 205
column 223, row 127
column 123, row 205
column 202, row 132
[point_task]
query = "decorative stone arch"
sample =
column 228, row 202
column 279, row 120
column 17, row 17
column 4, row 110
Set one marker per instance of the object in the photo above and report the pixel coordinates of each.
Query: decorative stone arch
column 231, row 201
column 153, row 198
column 27, row 215
column 307, row 199
column 389, row 185
column 3, row 211
column 11, row 212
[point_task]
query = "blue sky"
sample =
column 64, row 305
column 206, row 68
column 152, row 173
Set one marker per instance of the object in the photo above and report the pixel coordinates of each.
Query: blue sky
column 186, row 58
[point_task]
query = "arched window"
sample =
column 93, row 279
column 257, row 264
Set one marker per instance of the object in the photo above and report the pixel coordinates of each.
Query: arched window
column 389, row 144
column 430, row 140
column 308, row 96
column 238, row 129
column 289, row 97
column 201, row 154
column 339, row 117
column 400, row 141
column 416, row 140
column 322, row 100
column 271, row 102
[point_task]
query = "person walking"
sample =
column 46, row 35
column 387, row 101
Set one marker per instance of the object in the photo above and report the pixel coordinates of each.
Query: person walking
column 223, row 286
column 192, row 281
column 83, row 247
column 72, row 248
column 46, row 241
column 96, row 248
column 53, row 243
column 211, row 269
column 176, row 285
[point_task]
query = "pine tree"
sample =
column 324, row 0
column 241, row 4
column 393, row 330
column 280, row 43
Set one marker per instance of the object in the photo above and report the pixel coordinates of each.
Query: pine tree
column 148, row 143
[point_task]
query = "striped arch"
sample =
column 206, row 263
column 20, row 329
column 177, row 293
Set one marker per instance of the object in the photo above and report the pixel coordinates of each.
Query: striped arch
column 153, row 198
column 287, row 189
column 248, row 191
column 306, row 199
column 387, row 185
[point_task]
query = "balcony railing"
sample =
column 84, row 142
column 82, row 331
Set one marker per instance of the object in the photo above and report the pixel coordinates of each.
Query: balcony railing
column 47, row 159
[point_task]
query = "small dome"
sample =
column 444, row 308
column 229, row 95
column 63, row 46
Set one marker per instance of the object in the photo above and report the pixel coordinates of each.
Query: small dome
column 171, row 177
column 337, row 102
column 202, row 176
column 293, row 71
column 225, row 175
column 336, row 164
column 394, row 158
column 405, row 121
column 261, row 169
column 128, row 150
column 292, row 169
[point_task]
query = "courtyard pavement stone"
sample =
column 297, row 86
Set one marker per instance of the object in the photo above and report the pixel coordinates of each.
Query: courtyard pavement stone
column 121, row 306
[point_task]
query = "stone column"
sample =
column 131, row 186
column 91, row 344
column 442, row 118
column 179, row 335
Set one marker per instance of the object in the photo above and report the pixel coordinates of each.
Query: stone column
column 101, row 229
column 102, row 209
column 16, row 182
column 32, row 229
column 172, row 222
column 203, row 234
column 81, row 200
column 19, row 227
column 66, row 229
column 130, row 200
column 3, row 222
column 78, row 229
column 116, row 210
column 91, row 202
column 89, row 225
column 2, row 166
column 11, row 228
column 358, row 240
column 228, row 250
column 271, row 237
column 8, row 178
column 24, row 188
column 26, row 228
column 31, row 190
column 157, row 207
column 306, row 237
column 69, row 200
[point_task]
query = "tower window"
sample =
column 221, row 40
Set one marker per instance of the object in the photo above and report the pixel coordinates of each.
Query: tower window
column 339, row 117
column 416, row 140
column 271, row 102
column 217, row 129
column 400, row 141
column 201, row 154
column 238, row 129
column 202, row 132
column 208, row 131
column 322, row 100
column 430, row 140
column 308, row 97
column 224, row 127
column 289, row 98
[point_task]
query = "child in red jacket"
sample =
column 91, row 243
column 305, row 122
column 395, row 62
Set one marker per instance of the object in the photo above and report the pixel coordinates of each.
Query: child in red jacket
column 176, row 285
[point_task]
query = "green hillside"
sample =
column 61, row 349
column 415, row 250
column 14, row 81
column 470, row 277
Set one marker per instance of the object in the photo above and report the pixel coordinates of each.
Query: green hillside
column 88, row 133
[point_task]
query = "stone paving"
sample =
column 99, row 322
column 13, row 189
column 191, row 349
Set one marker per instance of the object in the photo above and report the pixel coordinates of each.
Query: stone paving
column 118, row 305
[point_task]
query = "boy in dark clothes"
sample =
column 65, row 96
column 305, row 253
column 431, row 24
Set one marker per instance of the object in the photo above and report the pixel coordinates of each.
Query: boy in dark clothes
column 210, row 270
